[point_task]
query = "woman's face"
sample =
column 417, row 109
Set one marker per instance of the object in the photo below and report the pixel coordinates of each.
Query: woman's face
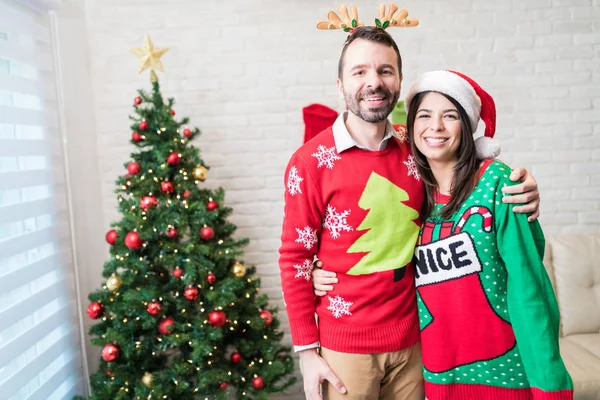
column 437, row 128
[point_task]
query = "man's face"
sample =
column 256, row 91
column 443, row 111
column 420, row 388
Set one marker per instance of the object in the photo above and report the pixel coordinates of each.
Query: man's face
column 370, row 82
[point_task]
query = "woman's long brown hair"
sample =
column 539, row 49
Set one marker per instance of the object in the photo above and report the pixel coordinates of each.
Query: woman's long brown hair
column 467, row 165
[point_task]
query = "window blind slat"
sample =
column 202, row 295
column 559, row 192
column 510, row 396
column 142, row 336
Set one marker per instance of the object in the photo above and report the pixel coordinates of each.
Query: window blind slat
column 54, row 382
column 23, row 179
column 39, row 57
column 30, row 209
column 15, row 347
column 24, row 116
column 14, row 20
column 22, row 147
column 30, row 272
column 40, row 88
column 18, row 311
column 28, row 372
column 27, row 241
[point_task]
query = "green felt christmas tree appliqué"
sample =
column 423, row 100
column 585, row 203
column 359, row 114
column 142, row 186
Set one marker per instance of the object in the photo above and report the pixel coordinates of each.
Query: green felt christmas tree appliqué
column 389, row 245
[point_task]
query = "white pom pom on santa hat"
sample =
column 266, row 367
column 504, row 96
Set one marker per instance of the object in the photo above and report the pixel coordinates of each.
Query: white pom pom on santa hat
column 478, row 104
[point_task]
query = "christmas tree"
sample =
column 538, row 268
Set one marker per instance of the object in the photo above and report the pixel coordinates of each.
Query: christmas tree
column 384, row 200
column 180, row 316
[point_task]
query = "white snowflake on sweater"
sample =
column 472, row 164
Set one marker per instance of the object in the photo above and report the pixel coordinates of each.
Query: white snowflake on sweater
column 338, row 306
column 307, row 236
column 293, row 183
column 336, row 222
column 304, row 270
column 326, row 156
column 412, row 168
column 402, row 136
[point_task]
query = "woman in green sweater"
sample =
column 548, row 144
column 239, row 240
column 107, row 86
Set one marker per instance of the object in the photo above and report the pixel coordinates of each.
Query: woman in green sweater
column 488, row 316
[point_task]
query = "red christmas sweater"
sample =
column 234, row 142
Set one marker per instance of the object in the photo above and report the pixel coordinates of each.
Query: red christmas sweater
column 358, row 212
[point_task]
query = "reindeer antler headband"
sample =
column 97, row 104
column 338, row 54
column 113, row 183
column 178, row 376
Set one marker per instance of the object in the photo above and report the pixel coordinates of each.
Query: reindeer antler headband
column 383, row 20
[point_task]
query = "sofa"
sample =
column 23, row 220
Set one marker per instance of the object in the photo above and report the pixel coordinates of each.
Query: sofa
column 573, row 264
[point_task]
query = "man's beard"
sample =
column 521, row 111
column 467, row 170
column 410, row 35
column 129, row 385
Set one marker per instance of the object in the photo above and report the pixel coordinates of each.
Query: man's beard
column 374, row 114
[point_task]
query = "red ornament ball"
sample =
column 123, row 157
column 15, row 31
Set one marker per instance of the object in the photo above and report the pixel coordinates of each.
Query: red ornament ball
column 187, row 133
column 153, row 308
column 95, row 310
column 143, row 125
column 212, row 205
column 258, row 383
column 267, row 316
column 172, row 112
column 173, row 159
column 191, row 293
column 164, row 326
column 207, row 233
column 223, row 385
column 211, row 278
column 110, row 352
column 236, row 358
column 217, row 318
column 136, row 137
column 133, row 168
column 167, row 187
column 133, row 241
column 137, row 101
column 148, row 201
column 173, row 233
column 111, row 237
column 178, row 273
column 186, row 194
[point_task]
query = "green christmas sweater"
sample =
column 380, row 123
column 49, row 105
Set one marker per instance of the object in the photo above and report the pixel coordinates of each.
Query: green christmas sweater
column 488, row 316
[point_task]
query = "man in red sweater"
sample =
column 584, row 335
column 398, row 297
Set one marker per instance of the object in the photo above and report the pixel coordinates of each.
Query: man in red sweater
column 353, row 197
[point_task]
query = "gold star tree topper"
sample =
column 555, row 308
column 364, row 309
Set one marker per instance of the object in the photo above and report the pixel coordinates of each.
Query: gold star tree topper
column 149, row 57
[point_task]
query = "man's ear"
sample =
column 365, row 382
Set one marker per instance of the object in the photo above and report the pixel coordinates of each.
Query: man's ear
column 340, row 88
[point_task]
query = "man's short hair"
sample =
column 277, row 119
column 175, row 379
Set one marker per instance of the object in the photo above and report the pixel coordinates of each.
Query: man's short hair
column 372, row 34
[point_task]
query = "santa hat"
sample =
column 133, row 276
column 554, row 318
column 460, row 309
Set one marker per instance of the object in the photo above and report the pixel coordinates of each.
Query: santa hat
column 478, row 104
column 317, row 118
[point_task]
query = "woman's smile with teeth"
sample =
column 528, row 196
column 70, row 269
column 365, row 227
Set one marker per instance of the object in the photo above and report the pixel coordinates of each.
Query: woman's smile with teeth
column 433, row 140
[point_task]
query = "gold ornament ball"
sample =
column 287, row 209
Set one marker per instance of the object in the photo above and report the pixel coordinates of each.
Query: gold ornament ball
column 238, row 270
column 200, row 173
column 113, row 282
column 147, row 379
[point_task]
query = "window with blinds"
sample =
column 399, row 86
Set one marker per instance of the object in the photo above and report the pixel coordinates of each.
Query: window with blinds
column 40, row 354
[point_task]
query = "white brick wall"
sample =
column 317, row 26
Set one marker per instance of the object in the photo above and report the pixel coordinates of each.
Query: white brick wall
column 243, row 70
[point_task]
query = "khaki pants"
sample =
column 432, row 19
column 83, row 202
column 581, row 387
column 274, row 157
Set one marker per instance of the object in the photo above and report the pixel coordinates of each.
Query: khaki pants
column 390, row 376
